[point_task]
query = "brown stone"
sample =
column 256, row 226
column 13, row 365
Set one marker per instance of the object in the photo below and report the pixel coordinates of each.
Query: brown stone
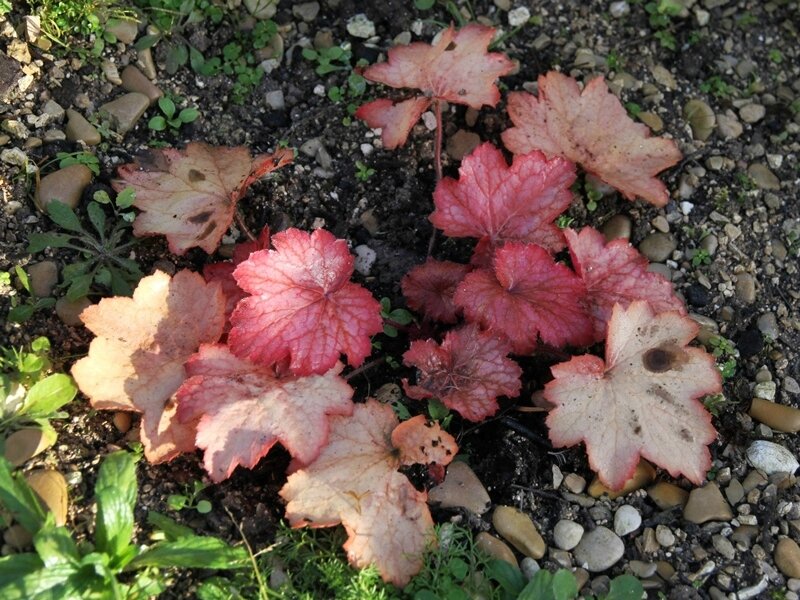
column 122, row 421
column 78, row 128
column 124, row 112
column 778, row 416
column 495, row 548
column 667, row 495
column 707, row 504
column 51, row 487
column 70, row 312
column 461, row 488
column 519, row 530
column 65, row 185
column 134, row 80
column 787, row 557
column 24, row 444
column 643, row 475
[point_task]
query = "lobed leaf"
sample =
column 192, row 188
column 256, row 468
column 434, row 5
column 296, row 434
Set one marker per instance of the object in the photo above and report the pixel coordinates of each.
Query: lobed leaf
column 429, row 288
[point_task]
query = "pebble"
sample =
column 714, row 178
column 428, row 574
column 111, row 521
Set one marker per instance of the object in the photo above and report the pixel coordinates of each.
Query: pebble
column 14, row 156
column 26, row 443
column 700, row 118
column 124, row 30
column 599, row 550
column 790, row 385
column 652, row 120
column 734, row 492
column 144, row 60
column 765, row 390
column 495, row 548
column 574, row 483
column 626, row 520
column 122, row 421
column 529, row 567
column 728, row 125
column 69, row 312
column 17, row 537
column 763, row 177
column 365, row 258
column 461, row 143
column 770, row 458
column 663, row 77
column 307, row 11
column 133, row 80
column 567, row 534
column 275, row 100
column 746, row 288
column 707, row 504
column 16, row 128
column 125, row 111
column 644, row 474
column 360, row 26
column 778, row 416
column 723, row 546
column 619, row 9
column 53, row 135
column 65, row 185
column 519, row 530
column 461, row 488
column 51, row 487
column 78, row 128
column 618, row 226
column 664, row 536
column 43, row 278
column 752, row 113
column 787, row 557
column 768, row 325
column 54, row 110
column 519, row 16
column 667, row 495
column 745, row 534
column 658, row 247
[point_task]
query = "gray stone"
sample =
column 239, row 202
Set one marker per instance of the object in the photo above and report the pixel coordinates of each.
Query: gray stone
column 307, row 11
column 78, row 128
column 133, row 80
column 54, row 110
column 461, row 488
column 728, row 125
column 599, row 549
column 658, row 246
column 700, row 117
column 763, row 177
column 752, row 113
column 125, row 31
column 723, row 546
column 746, row 288
column 626, row 520
column 768, row 325
column 529, row 567
column 770, row 458
column 567, row 534
column 734, row 492
column 65, row 185
column 618, row 226
column 619, row 9
column 360, row 26
column 125, row 111
column 275, row 100
column 365, row 258
column 43, row 278
column 16, row 128
column 53, row 135
column 765, row 390
column 664, row 536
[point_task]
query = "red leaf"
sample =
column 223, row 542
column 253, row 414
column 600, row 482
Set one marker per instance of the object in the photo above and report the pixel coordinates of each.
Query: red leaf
column 355, row 481
column 429, row 288
column 223, row 272
column 467, row 372
column 457, row 68
column 492, row 200
column 527, row 296
column 591, row 128
column 136, row 362
column 190, row 196
column 244, row 409
column 615, row 273
column 303, row 306
column 394, row 119
column 641, row 402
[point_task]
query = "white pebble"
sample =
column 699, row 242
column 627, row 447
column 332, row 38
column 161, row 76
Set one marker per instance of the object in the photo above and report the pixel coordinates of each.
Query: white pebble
column 365, row 258
column 686, row 207
column 529, row 567
column 360, row 26
column 626, row 520
column 567, row 534
column 367, row 149
column 430, row 120
column 518, row 16
column 771, row 458
column 319, row 90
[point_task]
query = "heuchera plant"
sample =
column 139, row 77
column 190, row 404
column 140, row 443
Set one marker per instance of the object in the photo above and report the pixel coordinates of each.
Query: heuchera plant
column 253, row 353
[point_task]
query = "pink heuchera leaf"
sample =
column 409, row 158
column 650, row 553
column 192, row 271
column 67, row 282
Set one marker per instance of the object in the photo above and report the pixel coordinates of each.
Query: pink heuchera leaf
column 429, row 288
column 591, row 128
column 527, row 296
column 303, row 305
column 190, row 196
column 615, row 273
column 467, row 372
column 642, row 401
column 355, row 481
column 136, row 362
column 244, row 409
column 457, row 68
column 499, row 203
column 223, row 272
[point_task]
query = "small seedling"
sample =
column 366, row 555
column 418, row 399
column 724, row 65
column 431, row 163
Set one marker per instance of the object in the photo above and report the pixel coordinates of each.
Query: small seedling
column 26, row 367
column 363, row 172
column 718, row 87
column 335, row 58
column 104, row 261
column 715, row 403
column 23, row 309
column 701, row 257
column 776, row 56
column 170, row 118
column 726, row 354
column 189, row 499
column 66, row 159
column 593, row 196
column 393, row 319
column 439, row 412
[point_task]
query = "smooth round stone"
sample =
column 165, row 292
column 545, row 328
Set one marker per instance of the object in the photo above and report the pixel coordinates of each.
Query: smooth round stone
column 567, row 534
column 529, row 567
column 777, row 416
column 496, row 548
column 667, row 495
column 24, row 444
column 78, row 128
column 664, row 536
column 643, row 475
column 122, row 421
column 65, row 185
column 787, row 557
column 746, row 288
column 461, row 488
column 51, row 487
column 519, row 530
column 658, row 246
column 461, row 143
column 133, row 80
column 707, row 504
column 43, row 278
column 626, row 520
column 70, row 312
column 618, row 226
column 125, row 111
column 700, row 118
column 17, row 537
column 599, row 549
column 770, row 458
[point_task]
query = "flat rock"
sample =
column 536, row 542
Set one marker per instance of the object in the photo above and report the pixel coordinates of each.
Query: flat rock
column 746, row 288
column 658, row 246
column 787, row 557
column 43, row 277
column 65, row 185
column 51, row 487
column 700, row 118
column 763, row 177
column 567, row 534
column 307, row 11
column 599, row 549
column 133, row 80
column 778, row 416
column 707, row 504
column 667, row 495
column 770, row 458
column 495, row 548
column 125, row 111
column 519, row 530
column 78, row 128
column 461, row 488
column 124, row 30
column 752, row 113
column 728, row 126
column 626, row 520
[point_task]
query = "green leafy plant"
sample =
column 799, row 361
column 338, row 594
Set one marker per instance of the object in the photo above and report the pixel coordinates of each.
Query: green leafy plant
column 715, row 403
column 26, row 367
column 5, row 7
column 363, row 172
column 170, row 116
column 66, row 159
column 718, row 87
column 776, row 56
column 701, row 257
column 65, row 20
column 335, row 58
column 111, row 567
column 394, row 318
column 593, row 196
column 23, row 309
column 103, row 262
column 724, row 350
column 189, row 499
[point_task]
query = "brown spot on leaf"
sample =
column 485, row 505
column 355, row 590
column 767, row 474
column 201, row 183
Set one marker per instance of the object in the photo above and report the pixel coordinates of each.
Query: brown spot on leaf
column 208, row 230
column 658, row 360
column 450, row 47
column 200, row 217
column 659, row 391
column 686, row 436
column 195, row 175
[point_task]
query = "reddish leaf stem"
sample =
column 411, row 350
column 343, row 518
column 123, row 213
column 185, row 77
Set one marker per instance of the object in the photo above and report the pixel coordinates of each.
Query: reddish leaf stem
column 365, row 367
column 245, row 229
column 437, row 160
